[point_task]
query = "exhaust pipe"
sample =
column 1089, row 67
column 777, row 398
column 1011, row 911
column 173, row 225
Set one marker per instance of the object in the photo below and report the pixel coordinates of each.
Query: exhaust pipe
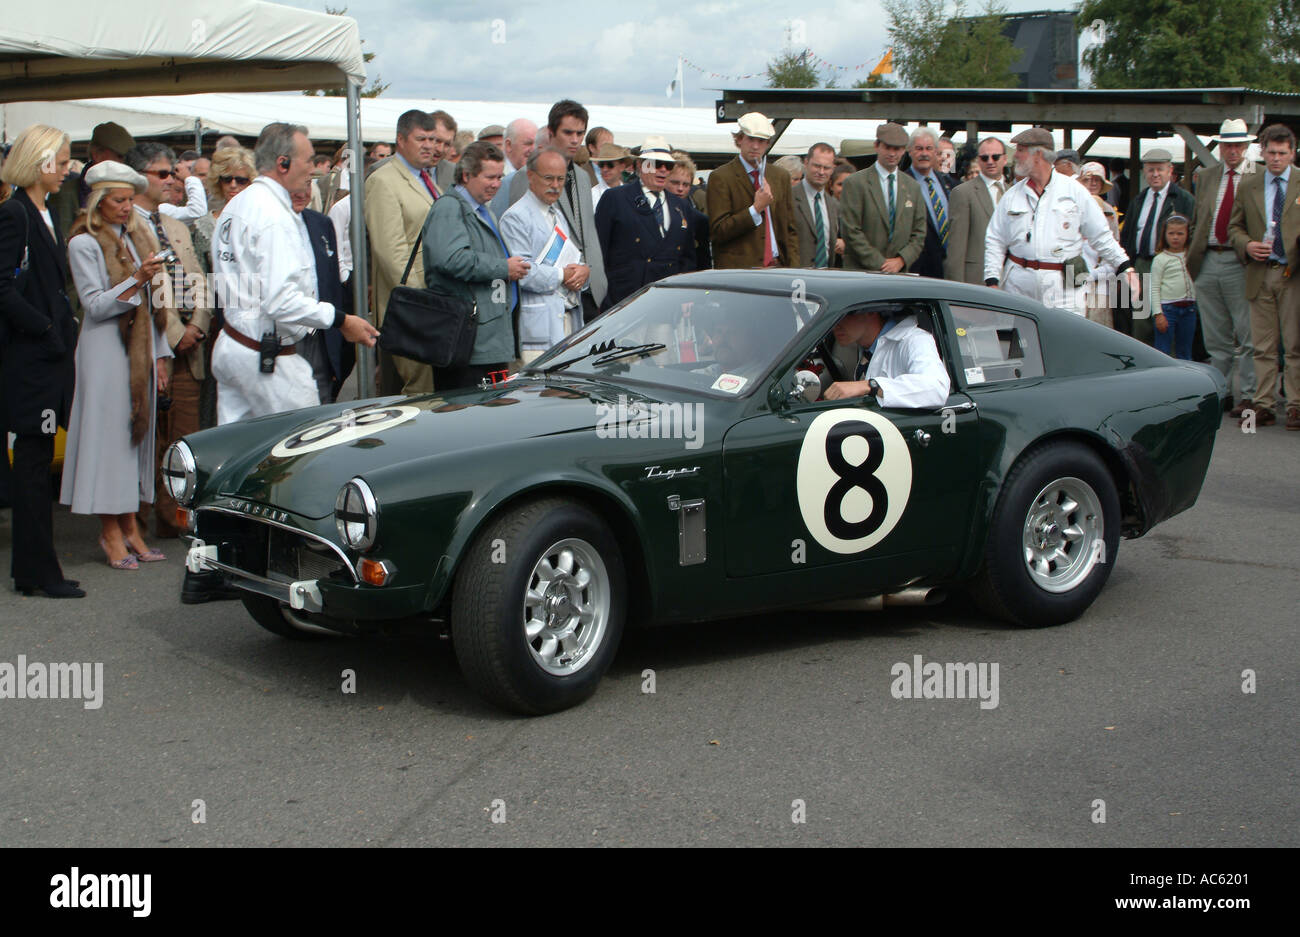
column 918, row 595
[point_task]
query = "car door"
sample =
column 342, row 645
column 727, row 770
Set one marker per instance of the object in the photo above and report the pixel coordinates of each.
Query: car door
column 881, row 494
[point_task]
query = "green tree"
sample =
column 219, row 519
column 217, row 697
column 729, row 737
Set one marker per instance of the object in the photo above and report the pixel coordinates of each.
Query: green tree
column 874, row 81
column 372, row 90
column 1283, row 47
column 790, row 69
column 936, row 45
column 1183, row 43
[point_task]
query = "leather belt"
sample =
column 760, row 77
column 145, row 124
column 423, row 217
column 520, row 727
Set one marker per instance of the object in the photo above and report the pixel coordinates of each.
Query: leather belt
column 255, row 346
column 1035, row 264
column 1217, row 247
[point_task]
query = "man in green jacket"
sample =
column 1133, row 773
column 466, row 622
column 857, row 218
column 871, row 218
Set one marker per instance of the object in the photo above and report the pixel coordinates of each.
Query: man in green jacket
column 465, row 256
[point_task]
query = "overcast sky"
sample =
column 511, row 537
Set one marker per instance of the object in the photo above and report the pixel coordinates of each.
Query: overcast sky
column 617, row 53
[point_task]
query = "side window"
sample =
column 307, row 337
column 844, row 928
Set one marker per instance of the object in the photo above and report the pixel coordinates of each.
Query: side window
column 996, row 346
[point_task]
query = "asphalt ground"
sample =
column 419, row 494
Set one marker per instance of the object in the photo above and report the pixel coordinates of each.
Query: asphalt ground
column 1136, row 712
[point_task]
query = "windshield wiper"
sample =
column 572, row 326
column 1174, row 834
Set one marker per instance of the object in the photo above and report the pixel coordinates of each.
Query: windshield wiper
column 608, row 351
column 628, row 352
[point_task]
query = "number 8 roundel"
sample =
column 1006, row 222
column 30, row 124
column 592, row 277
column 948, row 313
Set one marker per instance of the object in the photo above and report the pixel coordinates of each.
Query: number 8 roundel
column 854, row 479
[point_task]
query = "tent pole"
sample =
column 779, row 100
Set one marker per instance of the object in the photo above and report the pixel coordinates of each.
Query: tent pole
column 198, row 135
column 360, row 286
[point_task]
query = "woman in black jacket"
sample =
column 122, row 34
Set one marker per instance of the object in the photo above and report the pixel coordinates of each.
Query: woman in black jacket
column 38, row 335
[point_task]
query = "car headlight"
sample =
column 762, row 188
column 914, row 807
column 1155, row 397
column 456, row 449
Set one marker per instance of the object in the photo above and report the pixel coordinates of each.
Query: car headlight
column 179, row 473
column 357, row 515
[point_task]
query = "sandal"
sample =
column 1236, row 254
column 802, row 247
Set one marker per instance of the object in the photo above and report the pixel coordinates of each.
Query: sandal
column 126, row 562
column 150, row 556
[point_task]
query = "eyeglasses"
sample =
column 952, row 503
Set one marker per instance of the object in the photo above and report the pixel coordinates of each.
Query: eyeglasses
column 550, row 180
column 240, row 180
column 654, row 164
column 991, row 157
column 161, row 173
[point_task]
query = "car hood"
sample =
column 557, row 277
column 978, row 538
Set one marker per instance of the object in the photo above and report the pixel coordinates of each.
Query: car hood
column 301, row 467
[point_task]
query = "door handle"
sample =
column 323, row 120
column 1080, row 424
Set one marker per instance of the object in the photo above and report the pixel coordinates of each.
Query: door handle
column 921, row 438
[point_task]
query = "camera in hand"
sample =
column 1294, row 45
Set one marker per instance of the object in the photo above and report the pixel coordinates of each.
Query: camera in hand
column 167, row 256
column 269, row 349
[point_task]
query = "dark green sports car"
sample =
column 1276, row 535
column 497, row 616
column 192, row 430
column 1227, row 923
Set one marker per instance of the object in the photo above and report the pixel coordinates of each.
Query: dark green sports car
column 674, row 461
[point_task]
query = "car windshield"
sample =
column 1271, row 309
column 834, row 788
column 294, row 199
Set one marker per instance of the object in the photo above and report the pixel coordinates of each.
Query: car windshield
column 716, row 341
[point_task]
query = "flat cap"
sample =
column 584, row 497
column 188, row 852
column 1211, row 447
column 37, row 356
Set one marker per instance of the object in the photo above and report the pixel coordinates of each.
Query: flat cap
column 1034, row 136
column 491, row 130
column 757, row 126
column 1071, row 155
column 852, row 148
column 114, row 175
column 1157, row 155
column 113, row 137
column 891, row 134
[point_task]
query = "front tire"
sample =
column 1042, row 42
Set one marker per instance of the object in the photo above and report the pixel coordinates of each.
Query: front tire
column 538, row 606
column 1053, row 539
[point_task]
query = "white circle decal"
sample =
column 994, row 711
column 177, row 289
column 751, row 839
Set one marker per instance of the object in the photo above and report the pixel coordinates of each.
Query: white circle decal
column 854, row 479
column 348, row 426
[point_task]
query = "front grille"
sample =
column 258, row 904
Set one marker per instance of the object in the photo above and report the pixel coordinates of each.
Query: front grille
column 269, row 549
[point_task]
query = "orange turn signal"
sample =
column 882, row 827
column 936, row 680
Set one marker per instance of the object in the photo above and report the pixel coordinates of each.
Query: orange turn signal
column 183, row 519
column 375, row 572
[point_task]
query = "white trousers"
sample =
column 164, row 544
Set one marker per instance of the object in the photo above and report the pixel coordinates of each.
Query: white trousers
column 244, row 392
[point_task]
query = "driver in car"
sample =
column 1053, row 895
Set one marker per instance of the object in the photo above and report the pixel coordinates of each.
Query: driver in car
column 898, row 363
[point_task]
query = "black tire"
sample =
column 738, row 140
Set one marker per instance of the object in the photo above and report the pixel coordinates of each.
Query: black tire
column 489, row 607
column 270, row 614
column 1005, row 586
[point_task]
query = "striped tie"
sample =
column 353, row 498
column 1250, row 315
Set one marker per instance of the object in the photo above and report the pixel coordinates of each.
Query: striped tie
column 940, row 216
column 819, row 232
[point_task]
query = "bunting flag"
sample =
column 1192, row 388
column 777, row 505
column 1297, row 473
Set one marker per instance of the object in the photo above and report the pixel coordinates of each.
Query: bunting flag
column 883, row 67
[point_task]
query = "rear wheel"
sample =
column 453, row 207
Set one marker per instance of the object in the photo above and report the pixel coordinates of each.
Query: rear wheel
column 538, row 606
column 1053, row 539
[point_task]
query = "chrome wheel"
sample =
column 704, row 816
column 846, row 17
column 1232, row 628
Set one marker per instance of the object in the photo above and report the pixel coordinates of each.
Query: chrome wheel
column 566, row 607
column 1064, row 535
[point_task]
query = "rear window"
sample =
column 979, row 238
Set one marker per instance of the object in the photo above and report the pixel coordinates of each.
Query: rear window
column 996, row 346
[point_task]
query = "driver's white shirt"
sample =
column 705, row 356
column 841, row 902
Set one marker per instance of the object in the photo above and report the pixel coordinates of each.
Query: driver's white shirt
column 263, row 263
column 908, row 369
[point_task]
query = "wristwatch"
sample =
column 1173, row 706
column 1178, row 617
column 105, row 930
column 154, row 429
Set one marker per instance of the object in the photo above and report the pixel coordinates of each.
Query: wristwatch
column 875, row 388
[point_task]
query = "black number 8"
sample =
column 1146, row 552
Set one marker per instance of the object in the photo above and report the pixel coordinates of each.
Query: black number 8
column 854, row 476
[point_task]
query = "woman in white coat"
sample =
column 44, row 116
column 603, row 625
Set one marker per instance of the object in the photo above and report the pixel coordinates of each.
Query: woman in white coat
column 109, row 464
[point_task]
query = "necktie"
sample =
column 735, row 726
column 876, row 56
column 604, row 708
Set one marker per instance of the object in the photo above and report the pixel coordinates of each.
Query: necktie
column 487, row 216
column 891, row 205
column 940, row 216
column 658, row 210
column 1225, row 210
column 1144, row 240
column 1001, row 190
column 768, row 259
column 428, row 183
column 1278, row 249
column 819, row 230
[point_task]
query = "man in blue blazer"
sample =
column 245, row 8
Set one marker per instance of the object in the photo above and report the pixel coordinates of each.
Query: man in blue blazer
column 645, row 232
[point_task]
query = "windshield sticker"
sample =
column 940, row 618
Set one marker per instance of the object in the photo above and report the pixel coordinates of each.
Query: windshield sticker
column 974, row 375
column 854, row 479
column 731, row 383
column 348, row 426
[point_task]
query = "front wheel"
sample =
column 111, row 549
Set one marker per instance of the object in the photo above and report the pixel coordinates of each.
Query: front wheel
column 538, row 606
column 1053, row 539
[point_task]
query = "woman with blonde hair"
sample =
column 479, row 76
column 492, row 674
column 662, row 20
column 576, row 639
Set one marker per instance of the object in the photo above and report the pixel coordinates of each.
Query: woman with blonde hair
column 109, row 466
column 1099, row 305
column 38, row 334
column 231, row 172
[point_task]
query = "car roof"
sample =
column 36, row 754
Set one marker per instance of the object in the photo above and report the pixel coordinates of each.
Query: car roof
column 849, row 287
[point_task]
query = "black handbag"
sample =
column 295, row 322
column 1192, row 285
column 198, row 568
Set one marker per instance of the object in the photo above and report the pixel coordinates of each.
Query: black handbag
column 429, row 327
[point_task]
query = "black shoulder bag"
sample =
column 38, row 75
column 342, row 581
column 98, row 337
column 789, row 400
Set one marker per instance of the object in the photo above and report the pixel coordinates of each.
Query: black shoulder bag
column 429, row 327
